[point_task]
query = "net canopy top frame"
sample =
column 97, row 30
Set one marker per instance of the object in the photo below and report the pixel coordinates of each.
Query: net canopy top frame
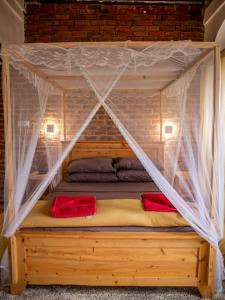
column 62, row 75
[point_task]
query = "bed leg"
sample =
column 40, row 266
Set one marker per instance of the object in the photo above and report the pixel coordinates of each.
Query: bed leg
column 17, row 255
column 206, row 270
column 17, row 289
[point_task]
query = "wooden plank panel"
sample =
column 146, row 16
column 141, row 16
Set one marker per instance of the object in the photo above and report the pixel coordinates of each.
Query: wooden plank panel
column 60, row 258
column 187, row 237
column 112, row 255
column 184, row 237
column 150, row 252
column 115, row 254
column 150, row 269
column 95, row 152
column 103, row 280
column 110, row 263
column 107, row 243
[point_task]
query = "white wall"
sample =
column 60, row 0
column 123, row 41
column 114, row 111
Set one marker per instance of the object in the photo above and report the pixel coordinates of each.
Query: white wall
column 11, row 21
column 214, row 21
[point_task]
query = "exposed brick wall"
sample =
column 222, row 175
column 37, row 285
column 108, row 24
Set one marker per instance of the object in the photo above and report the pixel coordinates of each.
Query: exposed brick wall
column 78, row 106
column 101, row 128
column 128, row 105
column 49, row 22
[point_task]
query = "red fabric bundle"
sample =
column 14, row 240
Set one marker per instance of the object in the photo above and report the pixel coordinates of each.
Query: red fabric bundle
column 77, row 206
column 157, row 202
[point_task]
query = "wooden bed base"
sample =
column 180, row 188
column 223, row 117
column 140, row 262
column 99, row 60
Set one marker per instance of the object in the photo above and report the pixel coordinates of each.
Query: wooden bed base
column 111, row 259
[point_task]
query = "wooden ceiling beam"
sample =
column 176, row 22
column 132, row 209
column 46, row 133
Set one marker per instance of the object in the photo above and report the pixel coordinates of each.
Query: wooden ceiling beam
column 130, row 44
column 123, row 77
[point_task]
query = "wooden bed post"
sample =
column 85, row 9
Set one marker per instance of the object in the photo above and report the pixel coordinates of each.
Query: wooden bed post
column 17, row 269
column 206, row 270
column 207, row 266
column 8, row 137
column 161, row 117
column 17, row 254
column 216, row 99
column 64, row 116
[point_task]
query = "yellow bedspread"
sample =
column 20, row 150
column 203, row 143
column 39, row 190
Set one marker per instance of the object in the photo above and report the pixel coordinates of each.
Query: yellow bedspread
column 109, row 213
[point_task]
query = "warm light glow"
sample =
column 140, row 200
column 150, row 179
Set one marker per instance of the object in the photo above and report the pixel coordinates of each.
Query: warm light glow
column 51, row 128
column 169, row 130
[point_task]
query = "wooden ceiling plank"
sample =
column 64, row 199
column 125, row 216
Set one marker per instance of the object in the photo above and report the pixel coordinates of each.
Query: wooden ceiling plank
column 131, row 44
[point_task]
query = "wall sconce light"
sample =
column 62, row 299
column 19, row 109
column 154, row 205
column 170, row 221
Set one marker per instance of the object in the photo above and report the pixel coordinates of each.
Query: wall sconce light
column 50, row 128
column 169, row 130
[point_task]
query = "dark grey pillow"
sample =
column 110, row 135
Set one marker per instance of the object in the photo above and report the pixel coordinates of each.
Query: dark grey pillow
column 92, row 177
column 92, row 164
column 128, row 163
column 133, row 175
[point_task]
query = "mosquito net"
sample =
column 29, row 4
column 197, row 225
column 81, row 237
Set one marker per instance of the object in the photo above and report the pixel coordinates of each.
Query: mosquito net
column 158, row 93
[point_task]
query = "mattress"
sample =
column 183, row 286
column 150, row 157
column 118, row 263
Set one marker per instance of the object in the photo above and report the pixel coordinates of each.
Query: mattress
column 128, row 212
column 108, row 190
column 129, row 192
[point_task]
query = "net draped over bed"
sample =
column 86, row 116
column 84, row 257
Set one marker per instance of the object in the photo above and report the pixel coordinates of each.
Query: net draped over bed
column 164, row 92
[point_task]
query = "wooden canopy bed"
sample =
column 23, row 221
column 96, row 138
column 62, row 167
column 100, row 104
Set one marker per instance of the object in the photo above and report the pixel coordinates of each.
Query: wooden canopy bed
column 111, row 258
column 103, row 258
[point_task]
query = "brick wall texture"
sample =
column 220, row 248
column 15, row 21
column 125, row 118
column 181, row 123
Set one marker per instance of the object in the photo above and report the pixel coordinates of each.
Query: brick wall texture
column 46, row 21
column 106, row 22
column 129, row 105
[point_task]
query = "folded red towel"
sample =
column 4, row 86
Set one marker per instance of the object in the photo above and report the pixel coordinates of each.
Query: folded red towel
column 77, row 206
column 157, row 202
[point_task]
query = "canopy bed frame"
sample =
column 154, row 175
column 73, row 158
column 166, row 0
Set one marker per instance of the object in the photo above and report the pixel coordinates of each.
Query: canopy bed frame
column 103, row 258
column 111, row 258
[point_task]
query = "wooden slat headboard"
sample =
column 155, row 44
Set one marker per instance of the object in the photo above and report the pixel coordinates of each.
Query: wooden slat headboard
column 84, row 149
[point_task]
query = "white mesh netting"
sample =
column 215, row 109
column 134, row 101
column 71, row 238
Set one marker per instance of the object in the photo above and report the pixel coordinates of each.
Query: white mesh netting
column 66, row 86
